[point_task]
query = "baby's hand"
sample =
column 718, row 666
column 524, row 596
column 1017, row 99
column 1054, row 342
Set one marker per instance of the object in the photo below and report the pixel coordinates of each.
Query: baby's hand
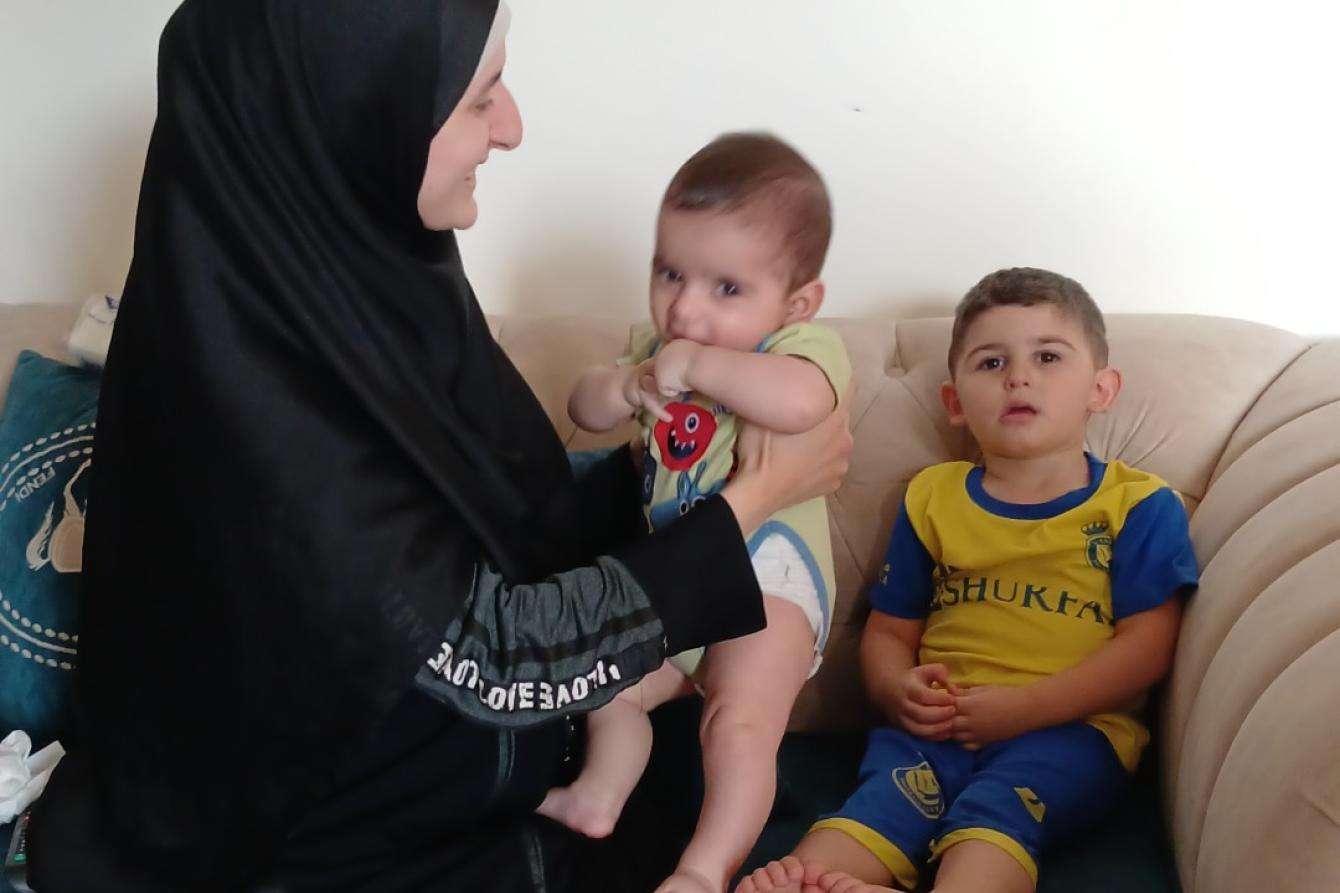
column 990, row 713
column 923, row 709
column 673, row 362
column 639, row 390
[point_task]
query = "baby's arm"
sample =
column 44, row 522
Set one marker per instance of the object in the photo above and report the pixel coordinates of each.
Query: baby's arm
column 787, row 394
column 900, row 688
column 606, row 396
column 1139, row 655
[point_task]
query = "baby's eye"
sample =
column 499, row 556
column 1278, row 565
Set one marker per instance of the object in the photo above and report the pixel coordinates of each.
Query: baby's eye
column 991, row 363
column 727, row 288
column 670, row 274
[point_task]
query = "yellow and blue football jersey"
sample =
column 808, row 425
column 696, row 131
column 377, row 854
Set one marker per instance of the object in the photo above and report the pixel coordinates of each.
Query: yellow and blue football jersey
column 1012, row 593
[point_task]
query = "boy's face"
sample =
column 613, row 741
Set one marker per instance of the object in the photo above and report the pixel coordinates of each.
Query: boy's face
column 1026, row 381
column 719, row 279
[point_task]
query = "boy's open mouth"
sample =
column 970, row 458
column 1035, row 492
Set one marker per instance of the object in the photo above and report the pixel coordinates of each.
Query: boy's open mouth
column 1019, row 411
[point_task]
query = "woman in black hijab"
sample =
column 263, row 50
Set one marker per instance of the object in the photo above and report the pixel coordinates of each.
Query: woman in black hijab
column 342, row 588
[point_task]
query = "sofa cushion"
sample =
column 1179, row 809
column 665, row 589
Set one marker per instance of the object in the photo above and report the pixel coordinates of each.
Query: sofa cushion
column 46, row 445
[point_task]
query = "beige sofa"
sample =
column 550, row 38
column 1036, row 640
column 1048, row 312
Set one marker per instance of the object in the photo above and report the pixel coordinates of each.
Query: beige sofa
column 1243, row 420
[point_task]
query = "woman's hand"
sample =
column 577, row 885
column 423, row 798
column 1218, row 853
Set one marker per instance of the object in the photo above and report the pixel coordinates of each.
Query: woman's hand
column 780, row 470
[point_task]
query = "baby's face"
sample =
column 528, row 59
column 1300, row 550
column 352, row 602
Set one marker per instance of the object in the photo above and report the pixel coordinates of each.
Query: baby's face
column 718, row 279
column 1026, row 382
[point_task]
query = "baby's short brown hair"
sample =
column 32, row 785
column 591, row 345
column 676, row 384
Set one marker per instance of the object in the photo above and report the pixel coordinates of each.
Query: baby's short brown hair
column 758, row 173
column 1024, row 287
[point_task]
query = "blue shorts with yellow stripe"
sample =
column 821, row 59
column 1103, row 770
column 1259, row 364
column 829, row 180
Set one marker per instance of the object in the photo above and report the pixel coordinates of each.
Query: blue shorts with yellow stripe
column 917, row 798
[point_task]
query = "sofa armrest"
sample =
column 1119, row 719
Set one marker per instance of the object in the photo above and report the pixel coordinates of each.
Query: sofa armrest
column 1251, row 743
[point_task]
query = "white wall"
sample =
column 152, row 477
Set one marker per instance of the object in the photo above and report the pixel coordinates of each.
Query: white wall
column 1173, row 155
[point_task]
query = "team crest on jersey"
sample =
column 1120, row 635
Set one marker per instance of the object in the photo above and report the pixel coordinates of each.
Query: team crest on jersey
column 1036, row 808
column 1098, row 545
column 920, row 787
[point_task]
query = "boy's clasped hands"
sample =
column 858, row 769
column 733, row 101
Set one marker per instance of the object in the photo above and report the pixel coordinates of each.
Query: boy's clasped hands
column 930, row 706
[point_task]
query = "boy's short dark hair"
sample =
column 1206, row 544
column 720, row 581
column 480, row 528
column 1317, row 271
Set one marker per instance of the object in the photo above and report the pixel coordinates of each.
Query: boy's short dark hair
column 1024, row 287
column 757, row 172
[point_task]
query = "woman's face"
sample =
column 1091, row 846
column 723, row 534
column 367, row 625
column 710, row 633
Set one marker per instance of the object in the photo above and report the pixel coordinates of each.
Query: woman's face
column 486, row 118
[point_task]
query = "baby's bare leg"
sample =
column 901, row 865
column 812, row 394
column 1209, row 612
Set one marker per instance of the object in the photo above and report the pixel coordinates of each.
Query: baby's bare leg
column 975, row 866
column 822, row 858
column 751, row 684
column 618, row 743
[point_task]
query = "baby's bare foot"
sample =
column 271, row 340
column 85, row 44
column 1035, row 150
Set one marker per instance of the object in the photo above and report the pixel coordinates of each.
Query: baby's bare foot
column 584, row 811
column 780, row 876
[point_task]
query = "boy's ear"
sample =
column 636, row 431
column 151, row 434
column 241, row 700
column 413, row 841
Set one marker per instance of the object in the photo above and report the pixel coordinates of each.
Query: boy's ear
column 953, row 405
column 1106, row 386
column 804, row 302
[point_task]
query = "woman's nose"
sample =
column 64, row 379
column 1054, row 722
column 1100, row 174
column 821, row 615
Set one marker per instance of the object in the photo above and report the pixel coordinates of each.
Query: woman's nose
column 505, row 130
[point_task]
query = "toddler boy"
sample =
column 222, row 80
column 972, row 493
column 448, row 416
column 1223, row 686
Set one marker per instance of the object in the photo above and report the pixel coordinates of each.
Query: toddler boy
column 1025, row 606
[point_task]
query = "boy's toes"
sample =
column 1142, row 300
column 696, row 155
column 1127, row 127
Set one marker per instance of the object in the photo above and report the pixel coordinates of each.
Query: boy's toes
column 793, row 872
column 781, row 876
column 755, row 882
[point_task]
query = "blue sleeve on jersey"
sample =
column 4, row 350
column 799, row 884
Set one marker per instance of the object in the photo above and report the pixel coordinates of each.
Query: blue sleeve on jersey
column 1152, row 557
column 904, row 586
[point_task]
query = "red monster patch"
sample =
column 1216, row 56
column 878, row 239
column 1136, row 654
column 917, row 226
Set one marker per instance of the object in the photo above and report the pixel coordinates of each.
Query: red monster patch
column 684, row 440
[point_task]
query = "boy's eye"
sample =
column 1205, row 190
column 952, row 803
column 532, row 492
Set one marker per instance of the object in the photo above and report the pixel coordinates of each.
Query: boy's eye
column 727, row 288
column 484, row 105
column 991, row 363
column 1048, row 356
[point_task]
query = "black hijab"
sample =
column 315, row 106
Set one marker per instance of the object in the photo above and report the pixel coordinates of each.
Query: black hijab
column 307, row 436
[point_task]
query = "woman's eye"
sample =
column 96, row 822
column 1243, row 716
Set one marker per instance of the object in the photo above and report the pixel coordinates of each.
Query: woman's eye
column 728, row 288
column 484, row 106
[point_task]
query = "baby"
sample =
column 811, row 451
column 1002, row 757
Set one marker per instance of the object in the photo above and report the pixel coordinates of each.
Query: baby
column 740, row 241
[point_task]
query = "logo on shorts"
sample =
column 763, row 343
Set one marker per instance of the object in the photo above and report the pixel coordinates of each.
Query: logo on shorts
column 1098, row 545
column 920, row 787
column 1035, row 807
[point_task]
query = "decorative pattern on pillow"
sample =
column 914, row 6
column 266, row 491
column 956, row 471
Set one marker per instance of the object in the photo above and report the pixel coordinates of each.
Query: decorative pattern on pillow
column 46, row 449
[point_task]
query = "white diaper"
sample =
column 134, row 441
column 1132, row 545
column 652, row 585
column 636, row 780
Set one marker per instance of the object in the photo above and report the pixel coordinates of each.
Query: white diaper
column 783, row 573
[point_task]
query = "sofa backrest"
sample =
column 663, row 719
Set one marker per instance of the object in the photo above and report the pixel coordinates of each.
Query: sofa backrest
column 39, row 327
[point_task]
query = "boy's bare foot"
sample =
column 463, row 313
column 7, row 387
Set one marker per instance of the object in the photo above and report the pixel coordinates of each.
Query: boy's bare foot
column 841, row 882
column 584, row 811
column 785, row 875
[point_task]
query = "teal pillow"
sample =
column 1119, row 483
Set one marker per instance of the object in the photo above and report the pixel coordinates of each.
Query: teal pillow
column 46, row 446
